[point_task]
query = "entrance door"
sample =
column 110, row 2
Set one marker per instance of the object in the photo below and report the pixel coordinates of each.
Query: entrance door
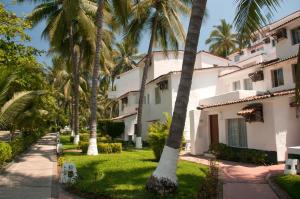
column 214, row 129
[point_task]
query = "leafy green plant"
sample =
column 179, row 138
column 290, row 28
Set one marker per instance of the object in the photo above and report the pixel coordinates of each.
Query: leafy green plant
column 84, row 146
column 61, row 161
column 5, row 152
column 111, row 128
column 158, row 133
column 85, row 137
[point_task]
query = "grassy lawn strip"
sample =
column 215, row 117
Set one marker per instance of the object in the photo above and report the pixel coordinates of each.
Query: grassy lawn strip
column 124, row 175
column 289, row 183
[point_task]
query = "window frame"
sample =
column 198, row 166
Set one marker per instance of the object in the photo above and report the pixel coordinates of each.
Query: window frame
column 274, row 77
column 248, row 79
column 242, row 128
column 234, row 85
column 157, row 95
column 295, row 40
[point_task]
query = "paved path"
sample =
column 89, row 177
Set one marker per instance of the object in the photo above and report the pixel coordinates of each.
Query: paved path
column 31, row 176
column 243, row 180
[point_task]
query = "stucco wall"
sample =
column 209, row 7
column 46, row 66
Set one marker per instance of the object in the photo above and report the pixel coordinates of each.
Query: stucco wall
column 129, row 126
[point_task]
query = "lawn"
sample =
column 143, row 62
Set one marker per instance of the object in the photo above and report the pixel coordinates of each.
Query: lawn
column 124, row 175
column 289, row 183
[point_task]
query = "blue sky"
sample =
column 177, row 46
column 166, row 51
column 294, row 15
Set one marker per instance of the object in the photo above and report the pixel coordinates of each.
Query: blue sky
column 217, row 10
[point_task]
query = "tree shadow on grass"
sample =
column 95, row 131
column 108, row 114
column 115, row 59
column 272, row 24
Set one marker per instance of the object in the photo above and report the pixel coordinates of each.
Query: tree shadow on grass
column 129, row 182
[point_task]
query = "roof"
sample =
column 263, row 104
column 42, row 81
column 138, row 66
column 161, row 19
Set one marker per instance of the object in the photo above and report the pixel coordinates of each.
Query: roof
column 137, row 91
column 263, row 64
column 297, row 15
column 124, row 116
column 249, row 99
column 196, row 69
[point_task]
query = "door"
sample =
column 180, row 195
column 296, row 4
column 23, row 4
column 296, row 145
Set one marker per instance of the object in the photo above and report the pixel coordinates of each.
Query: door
column 214, row 129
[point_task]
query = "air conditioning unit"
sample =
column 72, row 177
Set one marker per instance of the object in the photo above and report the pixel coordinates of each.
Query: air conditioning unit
column 163, row 85
column 280, row 34
column 257, row 76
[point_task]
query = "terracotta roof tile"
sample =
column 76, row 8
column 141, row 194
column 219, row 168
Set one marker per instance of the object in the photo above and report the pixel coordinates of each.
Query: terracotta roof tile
column 248, row 99
column 124, row 116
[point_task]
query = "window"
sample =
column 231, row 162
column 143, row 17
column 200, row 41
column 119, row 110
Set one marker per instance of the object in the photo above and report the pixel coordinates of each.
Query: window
column 237, row 58
column 144, row 100
column 294, row 68
column 137, row 96
column 124, row 102
column 277, row 77
column 273, row 43
column 296, row 36
column 237, row 133
column 236, row 85
column 248, row 84
column 148, row 98
column 157, row 95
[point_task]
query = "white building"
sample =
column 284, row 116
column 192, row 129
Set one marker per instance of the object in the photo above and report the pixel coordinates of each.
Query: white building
column 243, row 101
column 256, row 113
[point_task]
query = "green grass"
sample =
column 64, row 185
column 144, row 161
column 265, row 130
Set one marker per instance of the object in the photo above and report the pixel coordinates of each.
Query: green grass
column 124, row 175
column 65, row 140
column 289, row 183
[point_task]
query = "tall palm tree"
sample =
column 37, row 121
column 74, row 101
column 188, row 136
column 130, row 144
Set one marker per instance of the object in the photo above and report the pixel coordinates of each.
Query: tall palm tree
column 222, row 40
column 161, row 19
column 250, row 17
column 65, row 19
column 93, row 150
column 164, row 179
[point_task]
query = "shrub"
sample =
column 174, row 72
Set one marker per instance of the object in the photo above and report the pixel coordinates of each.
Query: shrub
column 116, row 147
column 5, row 153
column 103, row 139
column 84, row 146
column 17, row 146
column 60, row 161
column 72, row 139
column 109, row 147
column 84, row 131
column 158, row 133
column 224, row 152
column 111, row 128
column 85, row 137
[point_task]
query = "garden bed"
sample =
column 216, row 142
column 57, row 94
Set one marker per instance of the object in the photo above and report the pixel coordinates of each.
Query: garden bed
column 290, row 184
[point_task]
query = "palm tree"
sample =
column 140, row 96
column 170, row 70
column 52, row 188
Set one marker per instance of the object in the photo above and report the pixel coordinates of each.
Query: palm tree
column 67, row 19
column 164, row 179
column 93, row 150
column 221, row 40
column 250, row 17
column 161, row 18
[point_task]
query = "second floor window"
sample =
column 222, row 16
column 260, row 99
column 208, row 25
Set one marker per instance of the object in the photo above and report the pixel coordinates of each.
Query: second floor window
column 157, row 95
column 236, row 85
column 277, row 77
column 124, row 102
column 248, row 84
column 237, row 58
column 296, row 36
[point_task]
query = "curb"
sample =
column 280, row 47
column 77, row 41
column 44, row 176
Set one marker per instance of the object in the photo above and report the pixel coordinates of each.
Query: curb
column 277, row 190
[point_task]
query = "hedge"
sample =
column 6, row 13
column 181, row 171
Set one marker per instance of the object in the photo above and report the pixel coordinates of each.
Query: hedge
column 259, row 157
column 5, row 153
column 111, row 128
column 102, row 147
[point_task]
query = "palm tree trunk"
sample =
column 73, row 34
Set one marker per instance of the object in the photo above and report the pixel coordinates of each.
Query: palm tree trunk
column 164, row 179
column 72, row 116
column 297, row 90
column 92, row 150
column 75, row 73
column 138, row 141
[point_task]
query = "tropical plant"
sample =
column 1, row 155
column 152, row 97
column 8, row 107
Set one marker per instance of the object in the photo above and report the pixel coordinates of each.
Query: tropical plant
column 161, row 19
column 164, row 180
column 68, row 22
column 222, row 40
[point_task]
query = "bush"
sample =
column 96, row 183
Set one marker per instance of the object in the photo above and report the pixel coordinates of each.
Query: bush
column 224, row 152
column 84, row 131
column 5, row 153
column 85, row 137
column 109, row 147
column 103, row 139
column 84, row 146
column 60, row 161
column 17, row 146
column 111, row 128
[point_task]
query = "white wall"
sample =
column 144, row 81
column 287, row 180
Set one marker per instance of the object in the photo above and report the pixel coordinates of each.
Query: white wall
column 131, row 105
column 284, row 47
column 129, row 126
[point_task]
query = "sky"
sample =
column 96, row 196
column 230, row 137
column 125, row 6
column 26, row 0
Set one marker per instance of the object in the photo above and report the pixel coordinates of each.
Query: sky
column 217, row 10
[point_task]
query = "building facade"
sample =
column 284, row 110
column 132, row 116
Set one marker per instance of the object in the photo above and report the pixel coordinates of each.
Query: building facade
column 244, row 101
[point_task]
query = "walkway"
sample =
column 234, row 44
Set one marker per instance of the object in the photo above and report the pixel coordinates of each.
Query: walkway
column 32, row 175
column 243, row 180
